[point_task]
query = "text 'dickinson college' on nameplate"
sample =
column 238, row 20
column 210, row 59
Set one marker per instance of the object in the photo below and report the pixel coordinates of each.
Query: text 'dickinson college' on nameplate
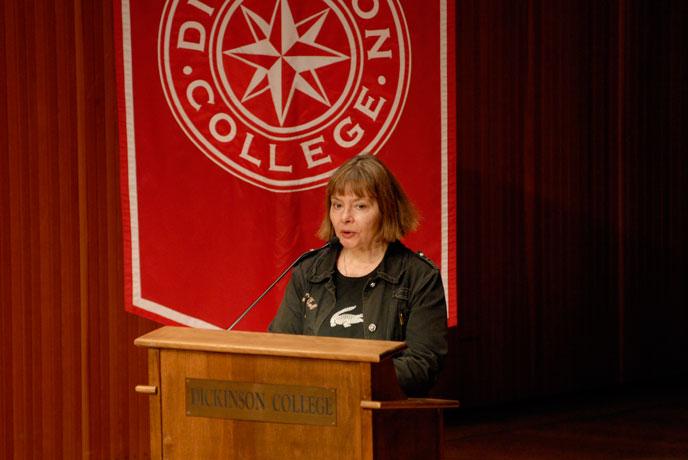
column 261, row 402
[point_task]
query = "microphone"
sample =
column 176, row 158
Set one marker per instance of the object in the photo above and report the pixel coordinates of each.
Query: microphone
column 303, row 256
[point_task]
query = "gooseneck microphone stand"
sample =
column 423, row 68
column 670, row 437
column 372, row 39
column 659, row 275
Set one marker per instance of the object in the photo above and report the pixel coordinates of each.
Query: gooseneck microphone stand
column 303, row 256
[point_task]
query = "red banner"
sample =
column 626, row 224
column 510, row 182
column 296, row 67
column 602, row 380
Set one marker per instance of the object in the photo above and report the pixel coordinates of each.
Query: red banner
column 233, row 115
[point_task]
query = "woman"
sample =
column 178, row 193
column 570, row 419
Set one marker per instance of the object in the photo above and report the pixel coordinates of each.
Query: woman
column 366, row 283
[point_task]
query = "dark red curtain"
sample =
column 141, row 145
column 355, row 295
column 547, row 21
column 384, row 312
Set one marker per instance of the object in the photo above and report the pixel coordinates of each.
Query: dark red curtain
column 571, row 188
column 572, row 222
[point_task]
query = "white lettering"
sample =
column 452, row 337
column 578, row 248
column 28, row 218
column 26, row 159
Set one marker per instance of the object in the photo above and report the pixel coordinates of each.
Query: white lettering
column 244, row 150
column 310, row 152
column 185, row 42
column 355, row 133
column 213, row 126
column 368, row 14
column 365, row 107
column 199, row 84
column 382, row 35
column 273, row 161
column 202, row 6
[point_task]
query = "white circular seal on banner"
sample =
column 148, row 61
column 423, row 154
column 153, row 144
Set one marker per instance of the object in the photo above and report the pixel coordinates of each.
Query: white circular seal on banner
column 281, row 92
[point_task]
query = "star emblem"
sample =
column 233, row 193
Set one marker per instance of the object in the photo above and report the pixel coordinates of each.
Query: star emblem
column 286, row 56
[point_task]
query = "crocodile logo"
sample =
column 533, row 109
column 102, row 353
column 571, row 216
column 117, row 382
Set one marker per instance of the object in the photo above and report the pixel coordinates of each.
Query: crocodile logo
column 342, row 318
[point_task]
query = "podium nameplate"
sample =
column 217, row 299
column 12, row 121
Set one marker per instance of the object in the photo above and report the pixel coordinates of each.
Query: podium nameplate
column 261, row 402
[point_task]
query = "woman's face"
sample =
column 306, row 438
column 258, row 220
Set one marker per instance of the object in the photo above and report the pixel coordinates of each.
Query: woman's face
column 356, row 220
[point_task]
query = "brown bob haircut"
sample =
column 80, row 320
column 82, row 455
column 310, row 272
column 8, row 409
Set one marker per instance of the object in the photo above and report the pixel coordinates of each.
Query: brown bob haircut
column 366, row 176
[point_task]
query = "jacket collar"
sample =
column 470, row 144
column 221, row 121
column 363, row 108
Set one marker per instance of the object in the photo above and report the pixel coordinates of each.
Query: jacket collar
column 390, row 269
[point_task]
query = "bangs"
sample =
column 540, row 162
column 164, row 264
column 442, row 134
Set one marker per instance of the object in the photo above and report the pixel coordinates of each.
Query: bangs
column 356, row 184
column 365, row 176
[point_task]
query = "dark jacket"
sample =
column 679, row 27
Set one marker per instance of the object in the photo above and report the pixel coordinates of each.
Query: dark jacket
column 403, row 300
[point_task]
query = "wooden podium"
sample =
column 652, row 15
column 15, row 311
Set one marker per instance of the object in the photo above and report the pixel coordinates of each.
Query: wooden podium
column 248, row 395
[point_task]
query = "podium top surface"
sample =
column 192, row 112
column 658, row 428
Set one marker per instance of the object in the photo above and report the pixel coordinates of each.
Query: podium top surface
column 265, row 343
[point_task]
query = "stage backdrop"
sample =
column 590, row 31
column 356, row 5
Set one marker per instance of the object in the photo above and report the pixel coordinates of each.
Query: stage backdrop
column 234, row 113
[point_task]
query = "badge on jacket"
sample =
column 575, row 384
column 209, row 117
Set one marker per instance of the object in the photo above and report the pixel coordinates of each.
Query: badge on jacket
column 309, row 300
